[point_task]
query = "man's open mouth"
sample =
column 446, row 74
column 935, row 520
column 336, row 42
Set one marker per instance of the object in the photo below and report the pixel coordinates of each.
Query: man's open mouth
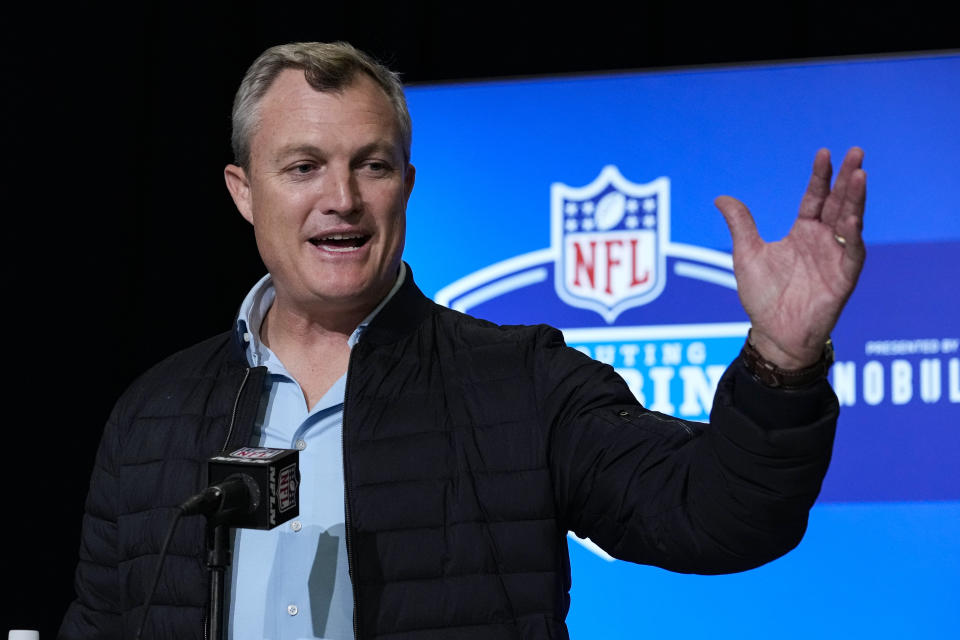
column 340, row 241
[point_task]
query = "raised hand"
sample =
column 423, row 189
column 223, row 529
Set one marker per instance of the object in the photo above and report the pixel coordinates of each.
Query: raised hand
column 794, row 289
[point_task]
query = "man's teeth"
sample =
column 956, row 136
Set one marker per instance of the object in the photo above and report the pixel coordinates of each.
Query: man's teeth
column 340, row 241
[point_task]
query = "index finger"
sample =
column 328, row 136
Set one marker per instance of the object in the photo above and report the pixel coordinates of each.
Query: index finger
column 833, row 205
column 819, row 186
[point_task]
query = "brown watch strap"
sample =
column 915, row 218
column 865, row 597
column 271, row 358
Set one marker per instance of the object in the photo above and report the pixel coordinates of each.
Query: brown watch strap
column 769, row 374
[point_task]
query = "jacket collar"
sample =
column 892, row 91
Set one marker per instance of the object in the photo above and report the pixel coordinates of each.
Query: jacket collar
column 401, row 315
column 405, row 311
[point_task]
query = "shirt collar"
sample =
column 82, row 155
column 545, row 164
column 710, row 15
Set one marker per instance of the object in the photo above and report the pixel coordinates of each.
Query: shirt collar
column 257, row 303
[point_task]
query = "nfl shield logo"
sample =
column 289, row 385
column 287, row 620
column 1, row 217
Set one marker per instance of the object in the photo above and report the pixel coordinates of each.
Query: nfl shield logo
column 610, row 239
column 287, row 491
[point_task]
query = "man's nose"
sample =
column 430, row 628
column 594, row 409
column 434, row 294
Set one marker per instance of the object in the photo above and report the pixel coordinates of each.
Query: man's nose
column 341, row 195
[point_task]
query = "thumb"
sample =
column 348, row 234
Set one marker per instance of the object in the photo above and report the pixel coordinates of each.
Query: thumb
column 743, row 229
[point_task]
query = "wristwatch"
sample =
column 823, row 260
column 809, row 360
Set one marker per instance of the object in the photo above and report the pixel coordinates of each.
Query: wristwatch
column 769, row 374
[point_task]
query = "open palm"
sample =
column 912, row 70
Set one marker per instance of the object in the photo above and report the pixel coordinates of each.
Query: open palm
column 794, row 289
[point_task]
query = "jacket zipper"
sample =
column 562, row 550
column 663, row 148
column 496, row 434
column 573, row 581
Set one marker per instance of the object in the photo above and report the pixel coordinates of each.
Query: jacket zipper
column 661, row 418
column 351, row 568
column 233, row 414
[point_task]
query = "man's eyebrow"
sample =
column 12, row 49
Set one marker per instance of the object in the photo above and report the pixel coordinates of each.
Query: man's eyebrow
column 387, row 146
column 297, row 149
column 312, row 150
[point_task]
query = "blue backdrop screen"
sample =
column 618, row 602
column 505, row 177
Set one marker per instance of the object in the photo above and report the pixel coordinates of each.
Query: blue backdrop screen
column 586, row 203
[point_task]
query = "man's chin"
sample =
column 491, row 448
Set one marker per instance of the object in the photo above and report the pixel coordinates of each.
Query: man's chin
column 349, row 292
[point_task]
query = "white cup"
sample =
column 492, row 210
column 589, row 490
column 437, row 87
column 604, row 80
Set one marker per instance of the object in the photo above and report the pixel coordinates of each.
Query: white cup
column 23, row 634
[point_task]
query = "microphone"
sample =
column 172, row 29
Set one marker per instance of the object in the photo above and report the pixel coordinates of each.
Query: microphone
column 251, row 488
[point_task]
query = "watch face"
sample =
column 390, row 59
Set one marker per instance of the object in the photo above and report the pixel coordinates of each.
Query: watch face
column 769, row 374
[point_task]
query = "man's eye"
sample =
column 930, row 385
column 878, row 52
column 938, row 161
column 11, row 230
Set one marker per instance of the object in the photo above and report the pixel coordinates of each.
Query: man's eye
column 377, row 166
column 303, row 168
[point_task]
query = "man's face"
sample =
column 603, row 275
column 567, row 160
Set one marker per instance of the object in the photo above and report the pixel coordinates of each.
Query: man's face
column 326, row 191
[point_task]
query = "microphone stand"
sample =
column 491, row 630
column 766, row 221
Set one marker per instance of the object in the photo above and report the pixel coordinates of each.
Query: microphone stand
column 237, row 499
column 218, row 560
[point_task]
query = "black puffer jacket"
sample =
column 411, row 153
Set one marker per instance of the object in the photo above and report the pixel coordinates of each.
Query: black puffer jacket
column 470, row 449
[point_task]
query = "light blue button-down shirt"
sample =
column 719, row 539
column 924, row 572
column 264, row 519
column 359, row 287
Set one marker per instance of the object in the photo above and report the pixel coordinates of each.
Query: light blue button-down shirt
column 293, row 581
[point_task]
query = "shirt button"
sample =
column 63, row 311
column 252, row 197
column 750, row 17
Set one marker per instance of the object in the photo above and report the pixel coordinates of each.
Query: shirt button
column 300, row 445
column 292, row 609
column 295, row 525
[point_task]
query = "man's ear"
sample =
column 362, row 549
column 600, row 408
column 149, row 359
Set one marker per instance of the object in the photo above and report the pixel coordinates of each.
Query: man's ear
column 410, row 176
column 239, row 188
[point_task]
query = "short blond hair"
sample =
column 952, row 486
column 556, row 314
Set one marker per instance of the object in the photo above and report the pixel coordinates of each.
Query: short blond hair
column 326, row 66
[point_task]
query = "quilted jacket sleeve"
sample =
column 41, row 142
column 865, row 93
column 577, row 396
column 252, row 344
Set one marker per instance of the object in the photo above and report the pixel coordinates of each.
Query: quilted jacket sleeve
column 690, row 497
column 96, row 611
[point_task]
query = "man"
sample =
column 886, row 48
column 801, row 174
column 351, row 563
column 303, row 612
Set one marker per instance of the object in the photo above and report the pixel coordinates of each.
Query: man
column 444, row 458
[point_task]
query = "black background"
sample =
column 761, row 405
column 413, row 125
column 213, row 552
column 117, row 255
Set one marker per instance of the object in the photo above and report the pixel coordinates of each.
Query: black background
column 122, row 245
